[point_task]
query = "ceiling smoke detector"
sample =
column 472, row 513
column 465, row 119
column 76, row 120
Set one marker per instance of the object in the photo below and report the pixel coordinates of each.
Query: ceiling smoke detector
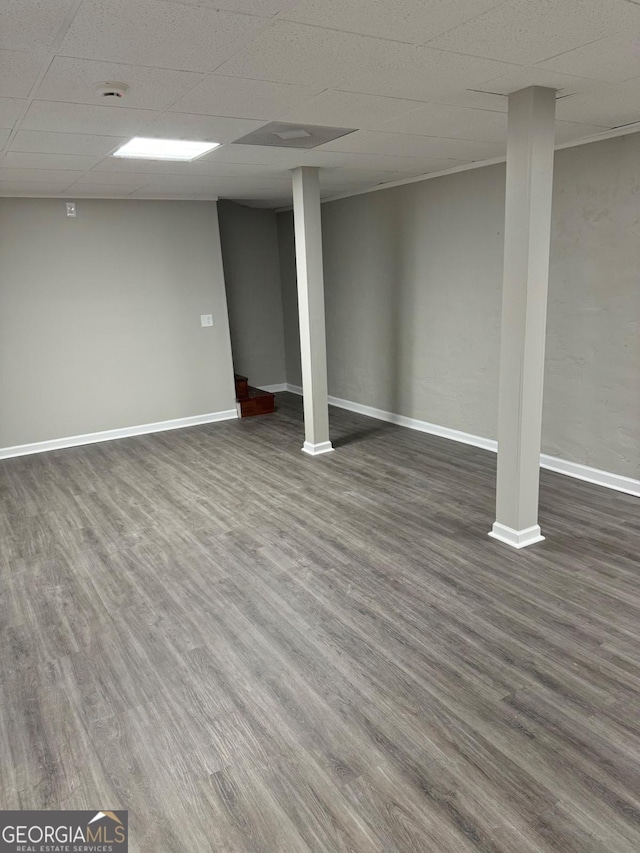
column 112, row 90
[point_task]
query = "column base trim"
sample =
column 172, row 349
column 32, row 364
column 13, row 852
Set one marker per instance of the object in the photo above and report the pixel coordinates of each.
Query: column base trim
column 516, row 538
column 317, row 449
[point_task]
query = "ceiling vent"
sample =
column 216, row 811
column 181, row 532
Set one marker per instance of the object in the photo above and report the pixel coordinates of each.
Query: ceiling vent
column 284, row 135
column 112, row 91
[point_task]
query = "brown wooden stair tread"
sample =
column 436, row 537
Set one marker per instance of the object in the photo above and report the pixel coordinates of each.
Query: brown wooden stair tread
column 254, row 393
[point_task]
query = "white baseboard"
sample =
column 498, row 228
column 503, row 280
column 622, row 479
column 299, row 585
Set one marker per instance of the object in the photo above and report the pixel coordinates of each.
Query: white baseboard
column 516, row 538
column 112, row 434
column 413, row 423
column 410, row 423
column 552, row 463
column 317, row 449
column 591, row 475
column 274, row 389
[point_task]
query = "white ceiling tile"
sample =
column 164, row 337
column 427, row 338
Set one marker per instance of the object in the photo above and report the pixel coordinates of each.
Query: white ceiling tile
column 260, row 183
column 356, row 177
column 146, row 192
column 471, row 99
column 238, row 187
column 85, row 118
column 10, row 111
column 411, row 145
column 610, row 106
column 97, row 191
column 266, row 8
column 257, row 155
column 329, row 192
column 172, row 194
column 350, row 63
column 410, row 20
column 321, row 157
column 125, row 179
column 287, row 159
column 182, row 183
column 154, row 167
column 47, row 142
column 18, row 72
column 308, row 56
column 31, row 24
column 43, row 188
column 406, row 165
column 528, row 31
column 613, row 59
column 520, row 78
column 158, row 33
column 258, row 188
column 450, row 121
column 236, row 96
column 76, row 81
column 124, row 165
column 211, row 166
column 39, row 176
column 427, row 168
column 290, row 158
column 349, row 109
column 202, row 166
column 211, row 128
column 420, row 73
column 567, row 131
column 21, row 160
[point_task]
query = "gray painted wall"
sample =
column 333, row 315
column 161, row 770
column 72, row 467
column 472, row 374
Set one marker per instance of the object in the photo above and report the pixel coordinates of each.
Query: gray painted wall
column 592, row 379
column 100, row 316
column 413, row 283
column 252, row 276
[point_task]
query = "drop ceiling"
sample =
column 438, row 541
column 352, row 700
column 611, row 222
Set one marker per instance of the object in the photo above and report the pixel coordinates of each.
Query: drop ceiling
column 423, row 81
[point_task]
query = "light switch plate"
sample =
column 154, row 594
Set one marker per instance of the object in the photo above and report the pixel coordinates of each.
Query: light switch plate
column 206, row 319
column 71, row 208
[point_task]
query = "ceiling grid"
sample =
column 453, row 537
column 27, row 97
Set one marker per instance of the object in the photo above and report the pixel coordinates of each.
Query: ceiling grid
column 423, row 83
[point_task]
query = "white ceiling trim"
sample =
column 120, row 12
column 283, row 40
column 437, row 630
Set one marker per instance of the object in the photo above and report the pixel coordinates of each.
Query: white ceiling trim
column 465, row 167
column 477, row 164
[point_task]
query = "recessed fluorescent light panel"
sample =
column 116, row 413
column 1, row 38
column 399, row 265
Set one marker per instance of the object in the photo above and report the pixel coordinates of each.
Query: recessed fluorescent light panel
column 141, row 148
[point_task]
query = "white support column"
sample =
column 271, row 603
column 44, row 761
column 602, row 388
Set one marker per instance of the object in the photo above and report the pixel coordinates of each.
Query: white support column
column 527, row 236
column 313, row 343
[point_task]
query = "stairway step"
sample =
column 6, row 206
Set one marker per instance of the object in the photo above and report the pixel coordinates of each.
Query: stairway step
column 242, row 386
column 256, row 402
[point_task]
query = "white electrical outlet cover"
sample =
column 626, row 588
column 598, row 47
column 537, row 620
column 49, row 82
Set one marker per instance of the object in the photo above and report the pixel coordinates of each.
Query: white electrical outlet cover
column 71, row 208
column 206, row 320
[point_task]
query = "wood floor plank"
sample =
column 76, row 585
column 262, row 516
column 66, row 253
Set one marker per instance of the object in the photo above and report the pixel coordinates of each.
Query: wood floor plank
column 258, row 652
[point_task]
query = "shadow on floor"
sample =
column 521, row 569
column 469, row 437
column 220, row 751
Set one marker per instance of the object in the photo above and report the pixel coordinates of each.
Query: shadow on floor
column 354, row 437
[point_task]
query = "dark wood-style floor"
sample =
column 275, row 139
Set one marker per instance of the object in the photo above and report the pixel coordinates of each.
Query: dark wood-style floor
column 254, row 650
